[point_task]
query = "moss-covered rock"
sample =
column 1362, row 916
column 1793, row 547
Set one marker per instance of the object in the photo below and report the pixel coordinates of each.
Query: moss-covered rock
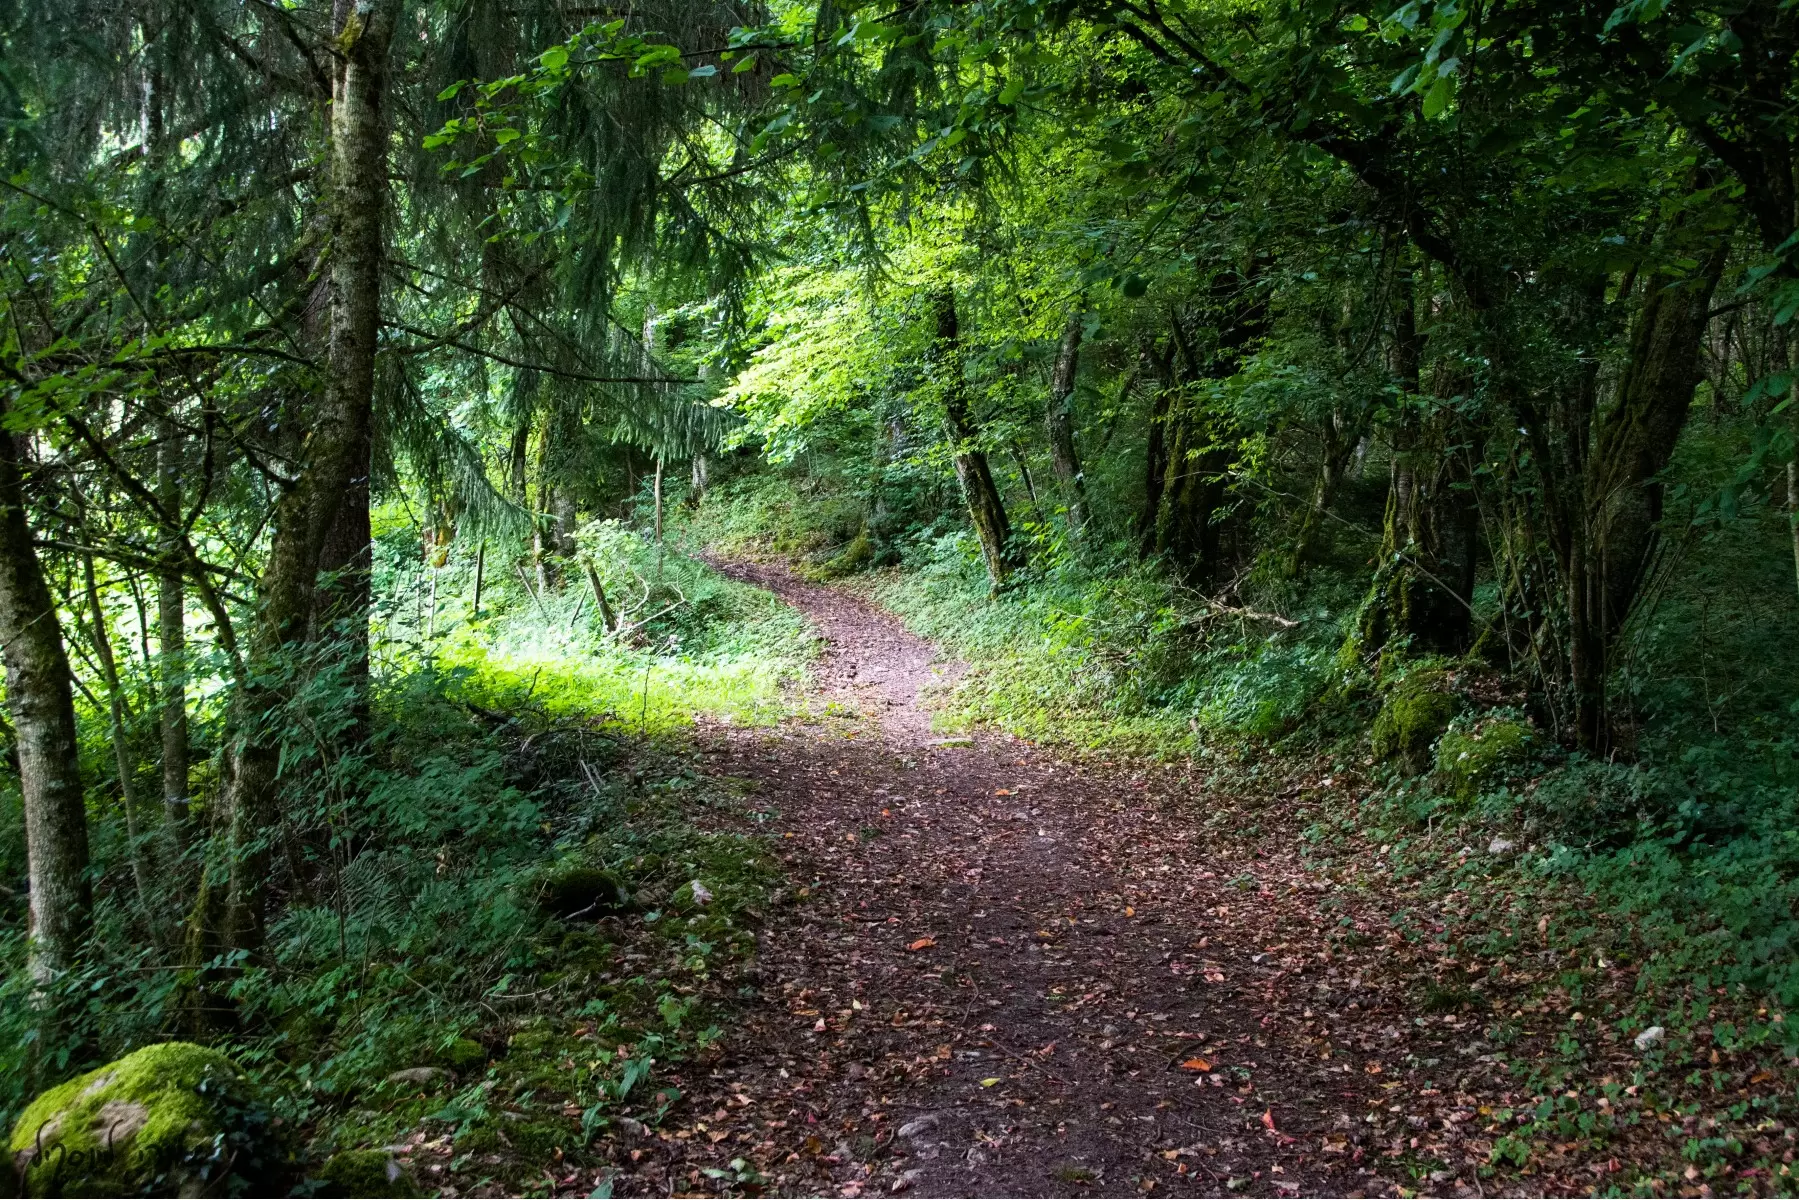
column 1472, row 758
column 365, row 1173
column 463, row 1055
column 1417, row 711
column 170, row 1119
column 579, row 889
column 856, row 556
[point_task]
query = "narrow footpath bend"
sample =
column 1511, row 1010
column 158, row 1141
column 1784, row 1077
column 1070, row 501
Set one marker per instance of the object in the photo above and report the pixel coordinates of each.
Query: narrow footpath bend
column 1009, row 975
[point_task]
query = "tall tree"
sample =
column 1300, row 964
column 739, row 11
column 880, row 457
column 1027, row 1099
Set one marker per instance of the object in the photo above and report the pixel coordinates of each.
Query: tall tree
column 1059, row 422
column 43, row 717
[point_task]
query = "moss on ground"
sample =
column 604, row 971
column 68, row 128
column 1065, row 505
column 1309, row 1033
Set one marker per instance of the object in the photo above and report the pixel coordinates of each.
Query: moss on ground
column 173, row 1118
column 362, row 1173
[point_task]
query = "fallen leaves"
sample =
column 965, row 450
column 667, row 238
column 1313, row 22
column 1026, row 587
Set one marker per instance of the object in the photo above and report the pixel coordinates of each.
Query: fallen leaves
column 923, row 943
column 1197, row 1064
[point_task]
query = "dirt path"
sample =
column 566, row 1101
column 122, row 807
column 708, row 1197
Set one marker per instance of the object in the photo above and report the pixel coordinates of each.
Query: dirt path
column 988, row 990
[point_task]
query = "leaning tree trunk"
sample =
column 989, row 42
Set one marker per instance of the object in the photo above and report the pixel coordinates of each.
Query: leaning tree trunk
column 1059, row 423
column 333, row 457
column 43, row 716
column 985, row 508
column 1611, row 550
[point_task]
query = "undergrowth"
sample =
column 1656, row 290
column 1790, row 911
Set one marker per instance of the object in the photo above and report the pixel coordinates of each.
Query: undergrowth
column 1654, row 889
column 418, row 981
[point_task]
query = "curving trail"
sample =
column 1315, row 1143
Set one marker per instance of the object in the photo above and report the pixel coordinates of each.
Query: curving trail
column 1011, row 974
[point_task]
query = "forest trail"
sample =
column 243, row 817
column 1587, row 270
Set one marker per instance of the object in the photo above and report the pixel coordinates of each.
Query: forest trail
column 1009, row 973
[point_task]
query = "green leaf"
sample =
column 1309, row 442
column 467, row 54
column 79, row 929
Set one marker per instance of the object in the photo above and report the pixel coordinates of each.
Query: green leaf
column 1134, row 286
column 656, row 56
column 747, row 64
column 555, row 58
column 1437, row 99
column 505, row 136
column 449, row 93
column 705, row 72
column 1012, row 91
column 784, row 80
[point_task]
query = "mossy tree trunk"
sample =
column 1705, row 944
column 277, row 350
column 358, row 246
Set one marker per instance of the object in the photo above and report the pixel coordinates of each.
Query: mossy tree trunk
column 1423, row 587
column 1607, row 554
column 986, row 510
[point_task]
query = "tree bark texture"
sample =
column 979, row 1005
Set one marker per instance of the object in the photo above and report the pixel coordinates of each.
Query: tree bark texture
column 986, row 510
column 1607, row 546
column 333, row 457
column 1059, row 424
column 43, row 716
column 171, row 625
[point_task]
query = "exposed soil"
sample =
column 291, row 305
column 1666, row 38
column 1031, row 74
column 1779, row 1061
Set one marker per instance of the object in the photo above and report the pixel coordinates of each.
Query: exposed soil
column 1002, row 971
column 1007, row 974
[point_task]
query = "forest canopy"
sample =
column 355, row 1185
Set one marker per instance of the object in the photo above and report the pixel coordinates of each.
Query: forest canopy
column 1410, row 384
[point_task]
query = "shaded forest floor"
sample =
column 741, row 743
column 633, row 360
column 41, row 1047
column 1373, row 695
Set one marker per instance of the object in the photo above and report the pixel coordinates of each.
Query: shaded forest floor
column 1001, row 971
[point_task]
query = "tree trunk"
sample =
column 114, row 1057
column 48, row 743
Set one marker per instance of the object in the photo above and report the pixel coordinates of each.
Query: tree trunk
column 698, row 480
column 43, row 716
column 1793, row 511
column 334, row 457
column 342, row 599
column 1341, row 437
column 1160, row 368
column 480, row 572
column 608, row 619
column 1635, row 439
column 121, row 744
column 1059, row 422
column 985, row 508
column 171, row 621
